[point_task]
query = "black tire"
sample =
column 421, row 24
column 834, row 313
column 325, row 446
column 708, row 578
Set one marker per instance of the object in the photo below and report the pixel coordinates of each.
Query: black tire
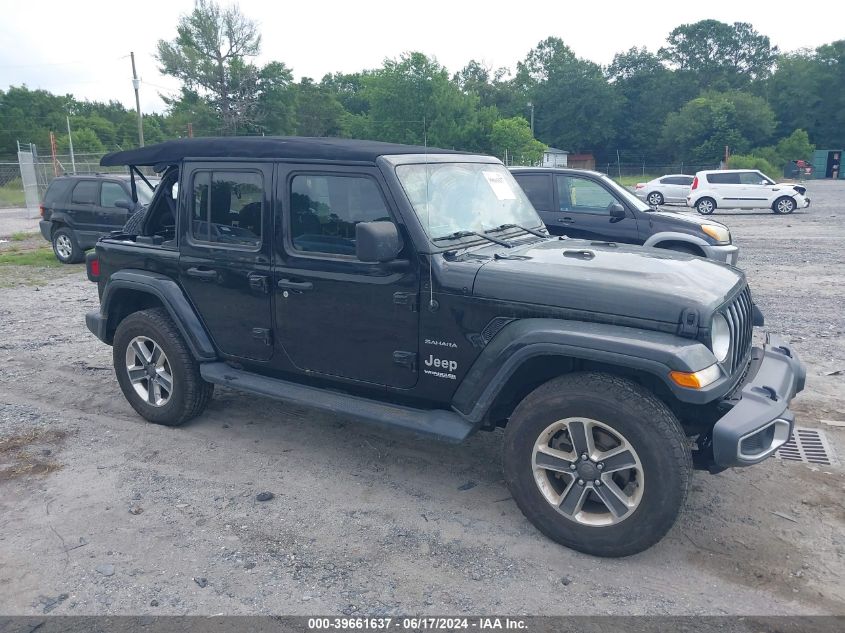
column 655, row 199
column 65, row 246
column 189, row 395
column 648, row 426
column 784, row 205
column 705, row 206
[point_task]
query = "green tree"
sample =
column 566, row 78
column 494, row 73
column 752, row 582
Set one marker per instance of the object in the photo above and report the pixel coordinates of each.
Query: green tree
column 720, row 55
column 512, row 139
column 412, row 100
column 85, row 141
column 211, row 56
column 575, row 106
column 318, row 110
column 648, row 92
column 700, row 130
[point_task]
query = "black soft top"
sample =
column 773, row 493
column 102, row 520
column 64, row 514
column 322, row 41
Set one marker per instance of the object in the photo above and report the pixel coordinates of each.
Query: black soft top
column 172, row 152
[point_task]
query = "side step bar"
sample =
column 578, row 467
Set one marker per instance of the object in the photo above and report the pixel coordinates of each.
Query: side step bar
column 438, row 423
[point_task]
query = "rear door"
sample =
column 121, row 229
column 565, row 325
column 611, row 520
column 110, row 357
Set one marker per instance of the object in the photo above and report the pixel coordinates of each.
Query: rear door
column 224, row 263
column 82, row 208
column 109, row 216
column 584, row 211
column 538, row 188
column 676, row 188
column 726, row 189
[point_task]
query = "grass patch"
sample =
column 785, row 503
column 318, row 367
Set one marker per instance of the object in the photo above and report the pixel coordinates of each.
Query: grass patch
column 11, row 195
column 43, row 257
column 630, row 181
column 20, row 456
column 20, row 236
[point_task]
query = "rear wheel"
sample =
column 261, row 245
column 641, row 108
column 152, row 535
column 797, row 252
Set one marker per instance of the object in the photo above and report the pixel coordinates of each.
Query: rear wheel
column 156, row 371
column 65, row 247
column 655, row 198
column 597, row 463
column 705, row 206
column 785, row 205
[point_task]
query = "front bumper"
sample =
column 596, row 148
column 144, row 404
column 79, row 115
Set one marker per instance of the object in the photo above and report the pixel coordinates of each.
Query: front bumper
column 760, row 421
column 728, row 254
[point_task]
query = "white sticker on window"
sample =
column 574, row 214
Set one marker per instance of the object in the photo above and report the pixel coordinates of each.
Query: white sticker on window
column 499, row 185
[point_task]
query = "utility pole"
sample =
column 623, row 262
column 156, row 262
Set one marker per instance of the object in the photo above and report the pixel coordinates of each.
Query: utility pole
column 136, row 83
column 531, row 105
column 70, row 142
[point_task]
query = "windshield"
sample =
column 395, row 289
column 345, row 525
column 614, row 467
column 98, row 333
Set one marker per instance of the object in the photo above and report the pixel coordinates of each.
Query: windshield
column 145, row 194
column 629, row 197
column 450, row 198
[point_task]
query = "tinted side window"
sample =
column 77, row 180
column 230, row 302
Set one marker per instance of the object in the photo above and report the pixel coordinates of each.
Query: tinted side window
column 58, row 190
column 110, row 193
column 677, row 180
column 86, row 192
column 325, row 209
column 685, row 180
column 226, row 207
column 538, row 189
column 751, row 178
column 580, row 195
column 723, row 179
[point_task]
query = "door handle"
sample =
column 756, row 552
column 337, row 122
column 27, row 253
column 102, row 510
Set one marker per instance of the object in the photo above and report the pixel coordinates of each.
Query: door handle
column 258, row 283
column 287, row 284
column 202, row 273
column 566, row 220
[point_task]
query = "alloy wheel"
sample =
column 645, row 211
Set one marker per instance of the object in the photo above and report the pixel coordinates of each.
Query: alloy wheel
column 64, row 247
column 588, row 471
column 149, row 371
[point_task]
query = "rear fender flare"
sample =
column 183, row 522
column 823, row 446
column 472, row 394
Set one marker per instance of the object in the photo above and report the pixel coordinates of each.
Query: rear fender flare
column 170, row 294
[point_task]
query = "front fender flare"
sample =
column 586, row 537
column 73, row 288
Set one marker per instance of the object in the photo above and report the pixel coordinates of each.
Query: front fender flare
column 656, row 353
column 171, row 296
column 672, row 236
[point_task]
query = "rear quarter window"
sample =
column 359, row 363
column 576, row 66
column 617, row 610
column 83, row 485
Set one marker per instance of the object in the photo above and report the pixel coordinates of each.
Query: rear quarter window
column 723, row 179
column 59, row 190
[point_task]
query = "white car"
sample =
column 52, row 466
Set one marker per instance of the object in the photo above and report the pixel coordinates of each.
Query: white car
column 671, row 188
column 743, row 189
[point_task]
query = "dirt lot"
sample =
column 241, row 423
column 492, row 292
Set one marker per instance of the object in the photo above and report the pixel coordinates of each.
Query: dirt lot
column 102, row 513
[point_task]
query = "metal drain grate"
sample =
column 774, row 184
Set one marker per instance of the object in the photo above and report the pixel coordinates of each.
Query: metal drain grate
column 809, row 446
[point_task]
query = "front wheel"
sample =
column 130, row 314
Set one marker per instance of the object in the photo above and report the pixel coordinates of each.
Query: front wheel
column 705, row 206
column 784, row 205
column 156, row 371
column 597, row 463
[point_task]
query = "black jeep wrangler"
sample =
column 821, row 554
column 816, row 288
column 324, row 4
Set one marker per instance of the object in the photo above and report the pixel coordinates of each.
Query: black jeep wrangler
column 417, row 288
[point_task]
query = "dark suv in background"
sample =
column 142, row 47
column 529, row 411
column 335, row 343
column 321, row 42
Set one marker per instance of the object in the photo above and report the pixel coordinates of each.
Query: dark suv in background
column 589, row 205
column 78, row 210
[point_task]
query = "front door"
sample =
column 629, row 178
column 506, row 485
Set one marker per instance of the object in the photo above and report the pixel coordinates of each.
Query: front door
column 224, row 262
column 584, row 211
column 334, row 314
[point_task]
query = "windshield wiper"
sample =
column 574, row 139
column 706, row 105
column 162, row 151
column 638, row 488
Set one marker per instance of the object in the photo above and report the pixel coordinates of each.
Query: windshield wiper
column 502, row 227
column 459, row 234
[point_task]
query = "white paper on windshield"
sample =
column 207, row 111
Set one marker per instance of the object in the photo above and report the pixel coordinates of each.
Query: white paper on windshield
column 499, row 185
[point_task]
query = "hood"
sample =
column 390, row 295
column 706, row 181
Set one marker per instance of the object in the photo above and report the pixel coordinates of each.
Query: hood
column 682, row 218
column 627, row 281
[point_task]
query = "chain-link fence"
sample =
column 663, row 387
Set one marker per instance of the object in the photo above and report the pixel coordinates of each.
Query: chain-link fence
column 647, row 171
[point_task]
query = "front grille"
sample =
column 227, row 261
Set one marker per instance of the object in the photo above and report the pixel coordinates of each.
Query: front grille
column 738, row 314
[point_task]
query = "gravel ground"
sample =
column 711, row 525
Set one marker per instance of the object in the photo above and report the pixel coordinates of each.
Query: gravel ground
column 14, row 220
column 102, row 513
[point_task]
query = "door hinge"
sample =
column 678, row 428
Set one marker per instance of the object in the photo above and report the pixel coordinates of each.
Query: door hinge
column 688, row 326
column 406, row 299
column 405, row 359
column 263, row 334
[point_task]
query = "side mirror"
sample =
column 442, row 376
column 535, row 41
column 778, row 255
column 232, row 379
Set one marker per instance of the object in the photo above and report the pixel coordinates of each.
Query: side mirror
column 377, row 241
column 124, row 204
column 617, row 210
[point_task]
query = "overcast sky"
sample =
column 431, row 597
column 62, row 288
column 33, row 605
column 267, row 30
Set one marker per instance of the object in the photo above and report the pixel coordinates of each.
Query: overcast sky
column 82, row 46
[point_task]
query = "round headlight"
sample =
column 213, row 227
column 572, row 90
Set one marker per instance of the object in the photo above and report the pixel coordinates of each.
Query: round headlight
column 720, row 337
